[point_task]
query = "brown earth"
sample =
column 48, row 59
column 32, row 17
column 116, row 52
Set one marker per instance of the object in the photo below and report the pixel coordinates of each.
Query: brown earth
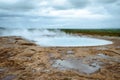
column 21, row 59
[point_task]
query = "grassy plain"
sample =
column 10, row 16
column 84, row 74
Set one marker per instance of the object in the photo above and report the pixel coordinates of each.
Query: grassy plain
column 102, row 32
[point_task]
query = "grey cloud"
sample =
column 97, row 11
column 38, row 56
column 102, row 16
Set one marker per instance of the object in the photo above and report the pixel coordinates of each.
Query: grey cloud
column 20, row 5
column 106, row 1
column 109, row 7
column 114, row 10
column 79, row 3
column 10, row 10
column 18, row 8
column 72, row 4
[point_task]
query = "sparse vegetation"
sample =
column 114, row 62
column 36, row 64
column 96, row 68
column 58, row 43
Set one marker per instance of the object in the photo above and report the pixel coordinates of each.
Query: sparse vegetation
column 102, row 32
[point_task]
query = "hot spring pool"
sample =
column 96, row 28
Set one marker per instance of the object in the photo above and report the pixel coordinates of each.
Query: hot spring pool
column 70, row 41
column 54, row 38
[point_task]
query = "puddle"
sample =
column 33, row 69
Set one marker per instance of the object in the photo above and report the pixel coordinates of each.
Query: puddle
column 96, row 57
column 77, row 64
column 100, row 55
column 70, row 52
column 87, row 65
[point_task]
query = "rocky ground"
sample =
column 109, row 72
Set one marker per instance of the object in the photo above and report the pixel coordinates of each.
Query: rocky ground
column 21, row 59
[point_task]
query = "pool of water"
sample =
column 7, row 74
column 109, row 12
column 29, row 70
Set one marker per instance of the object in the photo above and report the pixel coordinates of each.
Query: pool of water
column 69, row 41
column 53, row 38
column 87, row 65
column 77, row 64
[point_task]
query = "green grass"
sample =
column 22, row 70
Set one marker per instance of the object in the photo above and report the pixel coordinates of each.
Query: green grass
column 102, row 32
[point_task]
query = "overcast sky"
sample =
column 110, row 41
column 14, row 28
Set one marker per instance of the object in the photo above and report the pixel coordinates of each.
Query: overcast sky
column 60, row 13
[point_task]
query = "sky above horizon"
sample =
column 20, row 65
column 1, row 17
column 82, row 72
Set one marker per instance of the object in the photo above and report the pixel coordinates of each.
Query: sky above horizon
column 60, row 13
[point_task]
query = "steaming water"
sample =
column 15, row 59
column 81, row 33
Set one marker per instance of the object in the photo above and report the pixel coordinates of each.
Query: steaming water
column 53, row 38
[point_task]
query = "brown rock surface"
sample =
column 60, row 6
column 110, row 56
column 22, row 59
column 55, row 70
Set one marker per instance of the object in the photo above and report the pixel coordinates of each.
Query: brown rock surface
column 21, row 59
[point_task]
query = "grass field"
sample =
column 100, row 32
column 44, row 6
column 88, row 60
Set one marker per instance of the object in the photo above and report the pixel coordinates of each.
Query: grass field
column 102, row 32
